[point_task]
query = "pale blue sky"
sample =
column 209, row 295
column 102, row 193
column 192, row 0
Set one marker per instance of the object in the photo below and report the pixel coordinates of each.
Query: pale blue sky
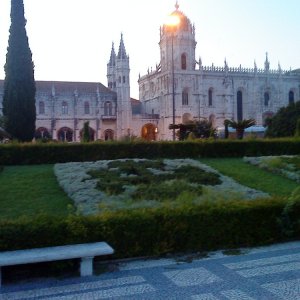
column 71, row 39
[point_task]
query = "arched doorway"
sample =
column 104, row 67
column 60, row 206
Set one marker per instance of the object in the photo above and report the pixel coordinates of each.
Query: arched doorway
column 149, row 132
column 212, row 120
column 108, row 135
column 42, row 133
column 186, row 118
column 65, row 134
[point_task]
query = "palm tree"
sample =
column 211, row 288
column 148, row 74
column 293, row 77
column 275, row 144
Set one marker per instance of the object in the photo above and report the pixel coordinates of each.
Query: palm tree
column 240, row 126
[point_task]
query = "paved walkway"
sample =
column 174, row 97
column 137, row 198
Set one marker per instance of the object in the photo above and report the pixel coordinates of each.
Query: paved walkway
column 261, row 273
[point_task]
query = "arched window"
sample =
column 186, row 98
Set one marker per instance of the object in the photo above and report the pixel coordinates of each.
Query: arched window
column 41, row 108
column 291, row 97
column 124, row 79
column 108, row 108
column 185, row 97
column 210, row 97
column 266, row 98
column 183, row 62
column 239, row 101
column 86, row 108
column 108, row 135
column 64, row 108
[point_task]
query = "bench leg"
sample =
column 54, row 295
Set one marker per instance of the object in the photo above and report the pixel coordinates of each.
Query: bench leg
column 86, row 266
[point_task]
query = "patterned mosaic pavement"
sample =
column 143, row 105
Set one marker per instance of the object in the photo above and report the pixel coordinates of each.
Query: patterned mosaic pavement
column 262, row 273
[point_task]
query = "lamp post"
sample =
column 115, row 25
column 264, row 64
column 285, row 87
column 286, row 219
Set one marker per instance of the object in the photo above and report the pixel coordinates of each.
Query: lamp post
column 173, row 21
column 173, row 86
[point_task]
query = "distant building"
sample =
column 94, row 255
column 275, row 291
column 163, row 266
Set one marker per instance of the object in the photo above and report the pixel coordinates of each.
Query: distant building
column 197, row 91
column 211, row 92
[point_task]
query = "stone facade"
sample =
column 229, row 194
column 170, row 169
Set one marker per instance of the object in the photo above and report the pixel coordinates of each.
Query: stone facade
column 179, row 89
column 210, row 92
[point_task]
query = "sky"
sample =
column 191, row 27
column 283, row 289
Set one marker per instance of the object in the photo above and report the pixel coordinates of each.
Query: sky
column 71, row 40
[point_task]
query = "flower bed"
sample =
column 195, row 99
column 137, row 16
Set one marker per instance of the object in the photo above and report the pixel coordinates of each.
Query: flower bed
column 139, row 183
column 286, row 165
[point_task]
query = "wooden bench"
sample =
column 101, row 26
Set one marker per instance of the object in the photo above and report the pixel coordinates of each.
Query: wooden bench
column 84, row 251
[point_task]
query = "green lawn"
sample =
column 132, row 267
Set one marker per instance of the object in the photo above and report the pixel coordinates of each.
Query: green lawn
column 252, row 176
column 29, row 190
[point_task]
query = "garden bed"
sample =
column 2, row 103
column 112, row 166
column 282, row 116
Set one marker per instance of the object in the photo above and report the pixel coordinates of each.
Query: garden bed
column 286, row 165
column 139, row 183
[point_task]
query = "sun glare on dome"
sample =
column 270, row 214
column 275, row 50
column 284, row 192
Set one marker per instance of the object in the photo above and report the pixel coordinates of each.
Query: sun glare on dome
column 172, row 20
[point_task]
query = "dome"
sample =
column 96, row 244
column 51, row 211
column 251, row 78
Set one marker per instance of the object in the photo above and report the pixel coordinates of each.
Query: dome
column 184, row 23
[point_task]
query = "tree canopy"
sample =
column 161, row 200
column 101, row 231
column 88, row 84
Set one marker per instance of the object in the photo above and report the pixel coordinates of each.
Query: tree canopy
column 19, row 85
column 283, row 123
column 198, row 129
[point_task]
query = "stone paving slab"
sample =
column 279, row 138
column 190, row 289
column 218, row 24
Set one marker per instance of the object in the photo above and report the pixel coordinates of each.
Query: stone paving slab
column 261, row 273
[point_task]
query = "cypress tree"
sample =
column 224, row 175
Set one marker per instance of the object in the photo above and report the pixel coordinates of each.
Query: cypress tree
column 19, row 85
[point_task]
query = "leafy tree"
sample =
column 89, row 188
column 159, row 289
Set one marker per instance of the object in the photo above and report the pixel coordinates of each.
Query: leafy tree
column 2, row 121
column 240, row 126
column 197, row 129
column 297, row 133
column 19, row 85
column 283, row 123
column 86, row 132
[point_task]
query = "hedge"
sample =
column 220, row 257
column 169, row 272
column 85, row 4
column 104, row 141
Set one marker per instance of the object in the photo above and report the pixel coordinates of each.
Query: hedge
column 146, row 232
column 15, row 154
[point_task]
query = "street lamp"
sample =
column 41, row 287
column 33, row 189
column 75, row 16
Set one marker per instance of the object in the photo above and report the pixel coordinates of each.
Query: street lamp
column 172, row 22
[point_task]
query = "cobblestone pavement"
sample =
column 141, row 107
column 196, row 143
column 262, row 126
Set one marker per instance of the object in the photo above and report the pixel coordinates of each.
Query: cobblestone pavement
column 262, row 273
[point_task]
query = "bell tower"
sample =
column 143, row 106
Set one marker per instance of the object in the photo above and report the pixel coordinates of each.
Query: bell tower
column 122, row 87
column 177, row 40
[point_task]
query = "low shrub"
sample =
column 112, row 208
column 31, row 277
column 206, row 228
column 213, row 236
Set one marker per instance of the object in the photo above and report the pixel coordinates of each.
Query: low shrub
column 14, row 154
column 290, row 217
column 155, row 231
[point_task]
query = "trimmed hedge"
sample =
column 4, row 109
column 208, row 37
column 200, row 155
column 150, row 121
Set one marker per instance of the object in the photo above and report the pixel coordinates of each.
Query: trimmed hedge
column 155, row 231
column 15, row 154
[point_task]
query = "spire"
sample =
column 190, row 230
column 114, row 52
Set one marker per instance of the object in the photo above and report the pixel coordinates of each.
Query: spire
column 267, row 63
column 122, row 51
column 112, row 60
column 255, row 66
column 177, row 5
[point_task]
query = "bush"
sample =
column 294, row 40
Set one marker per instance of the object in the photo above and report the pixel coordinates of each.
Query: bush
column 154, row 231
column 15, row 154
column 297, row 132
column 290, row 217
column 283, row 123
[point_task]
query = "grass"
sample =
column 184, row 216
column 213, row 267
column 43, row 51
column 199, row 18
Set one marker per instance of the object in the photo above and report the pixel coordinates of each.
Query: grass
column 30, row 190
column 252, row 176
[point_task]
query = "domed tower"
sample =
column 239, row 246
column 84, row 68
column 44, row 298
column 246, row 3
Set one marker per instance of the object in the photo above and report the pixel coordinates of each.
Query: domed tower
column 178, row 34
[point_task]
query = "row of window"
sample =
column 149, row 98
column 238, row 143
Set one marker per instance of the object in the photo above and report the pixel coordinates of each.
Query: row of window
column 185, row 97
column 108, row 108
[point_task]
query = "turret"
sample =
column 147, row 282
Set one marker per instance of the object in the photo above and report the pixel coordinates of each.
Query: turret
column 111, row 69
